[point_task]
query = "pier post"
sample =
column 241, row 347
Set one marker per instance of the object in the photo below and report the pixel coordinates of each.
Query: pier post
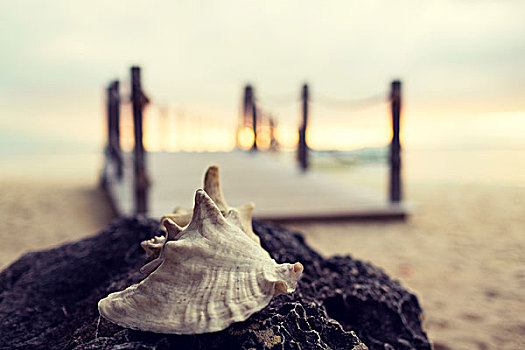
column 246, row 105
column 302, row 147
column 395, row 145
column 110, row 119
column 139, row 100
column 250, row 108
column 254, row 125
column 115, row 126
column 107, row 150
column 112, row 151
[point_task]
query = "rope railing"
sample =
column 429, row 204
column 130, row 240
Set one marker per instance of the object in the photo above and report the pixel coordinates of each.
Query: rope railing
column 201, row 129
column 349, row 104
column 253, row 104
column 181, row 121
column 174, row 128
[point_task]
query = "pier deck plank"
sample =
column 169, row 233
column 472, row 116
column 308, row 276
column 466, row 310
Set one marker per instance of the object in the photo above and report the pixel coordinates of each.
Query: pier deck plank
column 280, row 191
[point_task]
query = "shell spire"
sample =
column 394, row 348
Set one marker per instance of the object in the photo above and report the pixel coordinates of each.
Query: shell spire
column 212, row 187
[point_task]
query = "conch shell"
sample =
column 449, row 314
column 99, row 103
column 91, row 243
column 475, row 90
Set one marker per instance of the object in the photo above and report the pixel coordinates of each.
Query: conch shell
column 211, row 274
column 182, row 217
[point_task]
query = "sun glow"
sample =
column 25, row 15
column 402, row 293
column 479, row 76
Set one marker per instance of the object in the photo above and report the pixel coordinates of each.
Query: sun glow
column 487, row 129
column 286, row 136
column 245, row 138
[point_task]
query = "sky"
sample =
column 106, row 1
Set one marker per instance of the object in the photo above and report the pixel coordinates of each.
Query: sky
column 461, row 64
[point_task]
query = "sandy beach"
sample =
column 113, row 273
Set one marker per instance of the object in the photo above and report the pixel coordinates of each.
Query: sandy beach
column 37, row 215
column 462, row 252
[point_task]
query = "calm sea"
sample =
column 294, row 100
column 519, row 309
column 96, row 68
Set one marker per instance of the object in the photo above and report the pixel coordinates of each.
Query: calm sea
column 505, row 167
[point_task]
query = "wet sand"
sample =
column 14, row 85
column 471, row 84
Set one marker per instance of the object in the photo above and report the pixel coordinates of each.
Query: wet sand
column 462, row 252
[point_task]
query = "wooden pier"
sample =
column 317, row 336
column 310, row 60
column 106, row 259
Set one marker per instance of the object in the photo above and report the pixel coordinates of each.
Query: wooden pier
column 280, row 191
column 153, row 184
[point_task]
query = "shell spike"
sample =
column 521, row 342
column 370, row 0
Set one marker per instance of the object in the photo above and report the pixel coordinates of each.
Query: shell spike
column 153, row 246
column 174, row 231
column 212, row 187
column 205, row 209
column 155, row 263
column 151, row 266
column 298, row 268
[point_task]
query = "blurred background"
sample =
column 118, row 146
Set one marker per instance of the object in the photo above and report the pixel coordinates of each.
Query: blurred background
column 462, row 250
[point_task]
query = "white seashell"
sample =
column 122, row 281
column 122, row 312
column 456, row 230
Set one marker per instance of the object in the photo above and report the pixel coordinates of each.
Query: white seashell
column 211, row 274
column 182, row 217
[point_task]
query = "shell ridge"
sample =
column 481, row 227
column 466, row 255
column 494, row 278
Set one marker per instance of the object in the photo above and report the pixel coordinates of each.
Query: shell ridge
column 200, row 303
column 249, row 300
column 211, row 305
column 208, row 280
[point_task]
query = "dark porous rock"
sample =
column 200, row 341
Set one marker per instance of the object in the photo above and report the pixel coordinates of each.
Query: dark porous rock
column 48, row 300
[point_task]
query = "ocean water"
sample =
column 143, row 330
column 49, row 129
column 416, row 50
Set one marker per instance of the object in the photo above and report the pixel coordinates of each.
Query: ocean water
column 487, row 167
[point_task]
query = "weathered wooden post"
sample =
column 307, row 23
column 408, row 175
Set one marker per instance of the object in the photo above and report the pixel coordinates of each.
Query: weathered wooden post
column 247, row 105
column 395, row 145
column 107, row 150
column 249, row 115
column 110, row 119
column 114, row 126
column 112, row 152
column 302, row 147
column 254, row 124
column 139, row 100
